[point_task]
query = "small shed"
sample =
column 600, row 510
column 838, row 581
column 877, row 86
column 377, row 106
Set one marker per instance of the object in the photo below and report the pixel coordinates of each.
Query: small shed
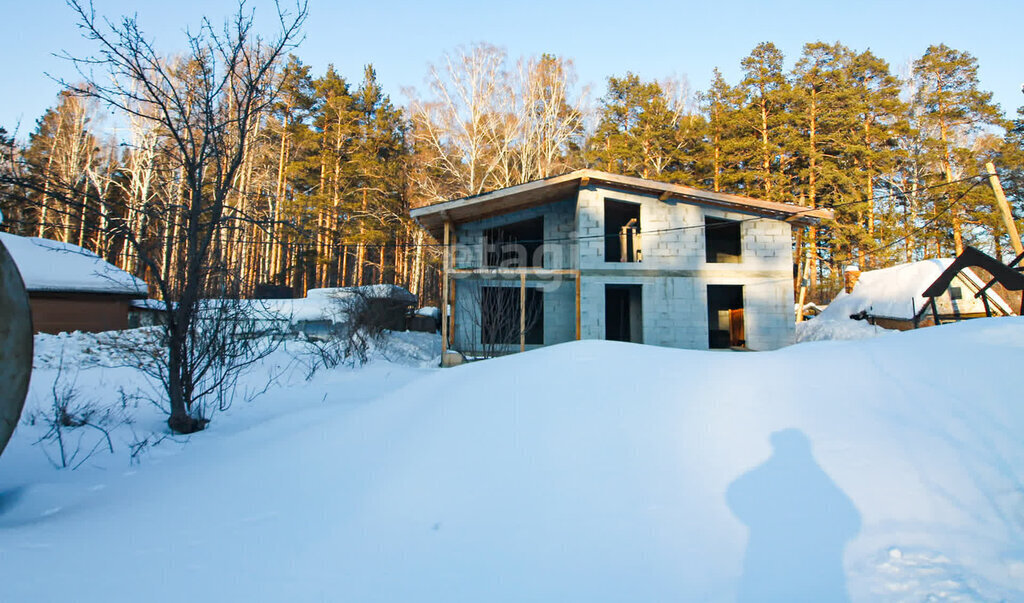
column 895, row 298
column 71, row 288
column 322, row 311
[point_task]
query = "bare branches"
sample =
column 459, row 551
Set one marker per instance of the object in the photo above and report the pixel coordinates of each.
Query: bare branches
column 194, row 113
column 487, row 127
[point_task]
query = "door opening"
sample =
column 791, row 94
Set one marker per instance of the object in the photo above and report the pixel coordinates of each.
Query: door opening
column 623, row 313
column 725, row 317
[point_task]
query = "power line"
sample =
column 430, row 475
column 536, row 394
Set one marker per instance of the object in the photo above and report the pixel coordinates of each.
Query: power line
column 730, row 223
column 666, row 230
column 927, row 223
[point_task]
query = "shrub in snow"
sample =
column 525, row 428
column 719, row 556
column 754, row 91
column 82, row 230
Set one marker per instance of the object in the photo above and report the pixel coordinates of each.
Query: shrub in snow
column 359, row 322
column 77, row 427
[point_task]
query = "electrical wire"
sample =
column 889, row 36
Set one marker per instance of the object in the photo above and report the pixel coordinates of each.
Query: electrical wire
column 921, row 228
column 647, row 233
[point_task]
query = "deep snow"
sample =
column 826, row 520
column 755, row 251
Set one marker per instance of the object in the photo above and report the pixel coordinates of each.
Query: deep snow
column 601, row 471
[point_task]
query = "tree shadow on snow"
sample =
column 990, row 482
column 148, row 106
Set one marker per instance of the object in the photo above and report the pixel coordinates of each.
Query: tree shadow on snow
column 799, row 522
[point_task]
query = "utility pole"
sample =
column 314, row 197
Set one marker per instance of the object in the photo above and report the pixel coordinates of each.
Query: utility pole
column 1004, row 207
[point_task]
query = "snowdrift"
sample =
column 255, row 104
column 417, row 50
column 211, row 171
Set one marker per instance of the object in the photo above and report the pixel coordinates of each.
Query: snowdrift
column 883, row 469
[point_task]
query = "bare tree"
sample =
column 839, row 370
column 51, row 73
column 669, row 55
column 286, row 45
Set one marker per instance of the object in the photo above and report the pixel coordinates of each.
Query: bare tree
column 494, row 319
column 552, row 119
column 471, row 96
column 485, row 126
column 204, row 106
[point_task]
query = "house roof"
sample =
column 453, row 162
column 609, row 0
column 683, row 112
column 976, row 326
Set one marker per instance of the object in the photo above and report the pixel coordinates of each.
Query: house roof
column 52, row 266
column 898, row 292
column 555, row 188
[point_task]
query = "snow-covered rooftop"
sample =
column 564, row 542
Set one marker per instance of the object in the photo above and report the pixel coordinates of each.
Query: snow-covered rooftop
column 48, row 265
column 894, row 292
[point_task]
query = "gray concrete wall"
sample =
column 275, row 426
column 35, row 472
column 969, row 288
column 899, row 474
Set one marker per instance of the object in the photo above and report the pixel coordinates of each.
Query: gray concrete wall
column 559, row 293
column 559, row 226
column 673, row 273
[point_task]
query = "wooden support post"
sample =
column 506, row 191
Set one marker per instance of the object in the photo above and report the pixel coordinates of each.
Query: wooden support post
column 803, row 286
column 1004, row 207
column 623, row 248
column 444, row 290
column 935, row 311
column 522, row 312
column 579, row 323
column 988, row 308
column 452, row 286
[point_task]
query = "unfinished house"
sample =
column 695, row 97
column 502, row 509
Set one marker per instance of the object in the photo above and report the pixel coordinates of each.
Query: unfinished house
column 593, row 255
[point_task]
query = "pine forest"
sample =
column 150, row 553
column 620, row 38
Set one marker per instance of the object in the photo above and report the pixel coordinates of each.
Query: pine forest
column 331, row 164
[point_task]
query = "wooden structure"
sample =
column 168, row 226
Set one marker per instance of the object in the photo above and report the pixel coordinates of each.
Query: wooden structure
column 971, row 257
column 72, row 289
column 579, row 245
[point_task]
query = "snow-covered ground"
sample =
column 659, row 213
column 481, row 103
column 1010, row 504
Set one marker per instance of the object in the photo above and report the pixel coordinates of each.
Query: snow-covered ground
column 832, row 326
column 890, row 469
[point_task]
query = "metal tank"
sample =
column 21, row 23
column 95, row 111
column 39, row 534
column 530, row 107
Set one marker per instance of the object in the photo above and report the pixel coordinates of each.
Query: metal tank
column 15, row 346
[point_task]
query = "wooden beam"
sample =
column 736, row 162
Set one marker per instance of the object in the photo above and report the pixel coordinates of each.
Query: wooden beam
column 1004, row 207
column 452, row 285
column 804, row 282
column 663, row 196
column 511, row 272
column 585, row 182
column 579, row 324
column 444, row 289
column 522, row 312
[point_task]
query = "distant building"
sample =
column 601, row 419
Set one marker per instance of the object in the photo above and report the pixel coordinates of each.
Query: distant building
column 71, row 288
column 594, row 255
column 894, row 297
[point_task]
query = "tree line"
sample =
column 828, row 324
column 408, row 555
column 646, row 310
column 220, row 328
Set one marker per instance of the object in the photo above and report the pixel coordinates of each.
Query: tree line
column 329, row 167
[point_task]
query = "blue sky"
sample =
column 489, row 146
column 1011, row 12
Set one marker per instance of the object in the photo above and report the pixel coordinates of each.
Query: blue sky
column 653, row 39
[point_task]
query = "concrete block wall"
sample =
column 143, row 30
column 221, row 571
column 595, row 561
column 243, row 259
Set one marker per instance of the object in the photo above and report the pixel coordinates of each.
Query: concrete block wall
column 559, row 310
column 674, row 301
column 675, row 304
column 559, row 228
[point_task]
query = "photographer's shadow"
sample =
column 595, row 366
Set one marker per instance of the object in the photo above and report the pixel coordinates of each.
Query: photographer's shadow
column 799, row 521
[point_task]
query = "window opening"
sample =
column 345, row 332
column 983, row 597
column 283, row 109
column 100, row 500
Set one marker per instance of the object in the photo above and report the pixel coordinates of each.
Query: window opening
column 622, row 232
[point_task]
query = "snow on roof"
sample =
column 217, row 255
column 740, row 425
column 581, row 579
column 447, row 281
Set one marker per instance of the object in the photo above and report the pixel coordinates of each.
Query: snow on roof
column 48, row 265
column 327, row 303
column 893, row 292
column 383, row 291
column 896, row 292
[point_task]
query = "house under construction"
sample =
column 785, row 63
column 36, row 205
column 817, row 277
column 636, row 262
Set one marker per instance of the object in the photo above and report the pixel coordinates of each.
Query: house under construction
column 593, row 255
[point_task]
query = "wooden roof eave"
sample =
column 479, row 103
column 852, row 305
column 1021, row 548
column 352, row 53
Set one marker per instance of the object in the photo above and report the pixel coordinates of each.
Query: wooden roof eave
column 524, row 196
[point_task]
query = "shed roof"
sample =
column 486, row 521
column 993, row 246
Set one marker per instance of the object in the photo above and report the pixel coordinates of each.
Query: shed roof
column 52, row 266
column 898, row 292
column 555, row 188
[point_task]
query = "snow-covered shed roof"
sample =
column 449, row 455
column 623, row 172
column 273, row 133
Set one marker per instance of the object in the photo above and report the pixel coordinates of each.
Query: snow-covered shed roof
column 47, row 265
column 897, row 292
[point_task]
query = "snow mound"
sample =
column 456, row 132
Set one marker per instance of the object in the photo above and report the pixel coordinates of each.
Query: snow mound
column 47, row 265
column 825, row 328
column 887, row 469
